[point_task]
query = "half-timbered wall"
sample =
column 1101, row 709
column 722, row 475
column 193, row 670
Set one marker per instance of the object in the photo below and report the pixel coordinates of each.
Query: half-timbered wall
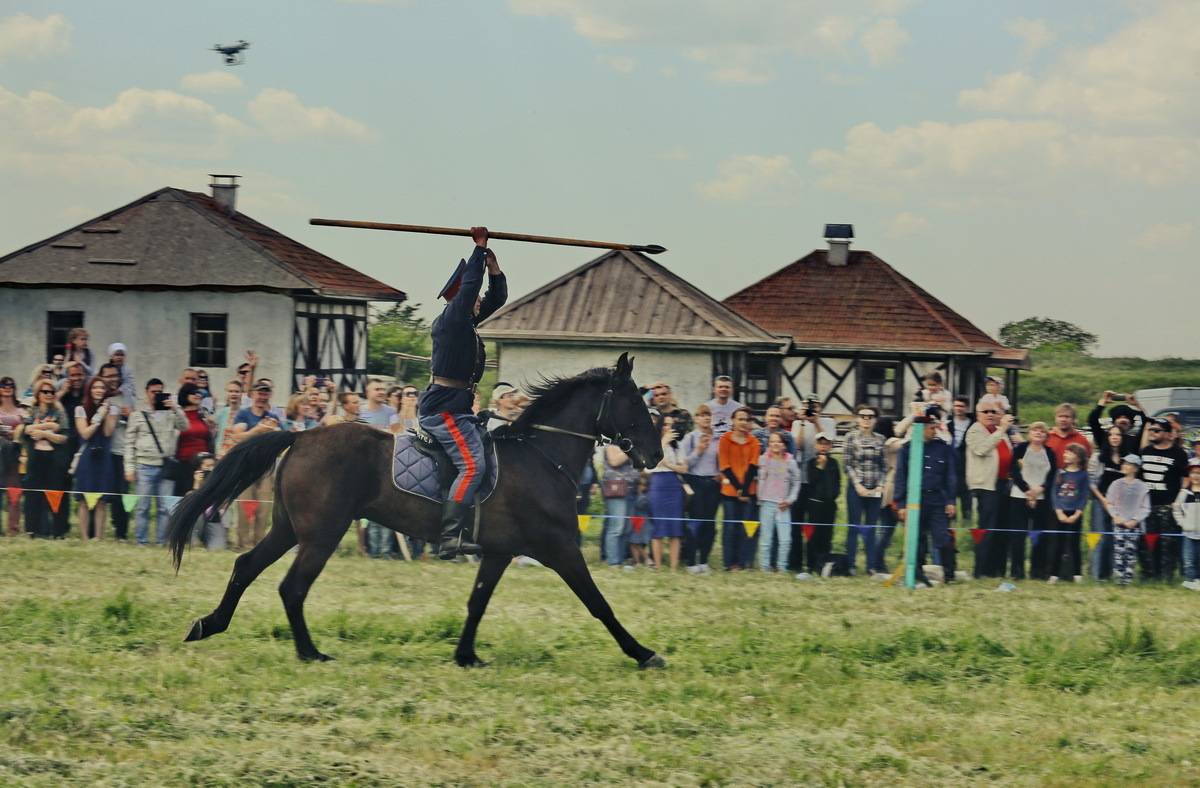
column 329, row 340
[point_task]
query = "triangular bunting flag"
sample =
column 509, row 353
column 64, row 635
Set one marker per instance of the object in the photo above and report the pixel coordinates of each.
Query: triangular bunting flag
column 1093, row 540
column 92, row 499
column 129, row 501
column 977, row 534
column 1151, row 539
column 249, row 508
column 1034, row 536
column 751, row 527
column 638, row 522
column 14, row 493
column 808, row 529
column 584, row 519
column 55, row 499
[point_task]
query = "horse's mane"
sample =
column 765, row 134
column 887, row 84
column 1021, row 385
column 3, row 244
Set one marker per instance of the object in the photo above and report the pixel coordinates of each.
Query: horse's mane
column 549, row 392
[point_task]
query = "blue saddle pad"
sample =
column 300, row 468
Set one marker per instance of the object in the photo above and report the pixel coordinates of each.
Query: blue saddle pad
column 415, row 472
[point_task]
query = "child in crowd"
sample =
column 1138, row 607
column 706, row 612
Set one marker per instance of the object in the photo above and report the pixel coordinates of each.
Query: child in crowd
column 1187, row 514
column 640, row 538
column 1072, row 488
column 778, row 486
column 994, row 399
column 935, row 393
column 1128, row 505
column 824, row 486
column 211, row 528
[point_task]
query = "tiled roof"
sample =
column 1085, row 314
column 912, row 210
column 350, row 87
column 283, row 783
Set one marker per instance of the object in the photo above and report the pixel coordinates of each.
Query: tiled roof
column 624, row 294
column 180, row 239
column 863, row 305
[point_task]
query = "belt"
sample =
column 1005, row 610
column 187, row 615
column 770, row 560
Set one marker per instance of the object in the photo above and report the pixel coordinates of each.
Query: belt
column 454, row 384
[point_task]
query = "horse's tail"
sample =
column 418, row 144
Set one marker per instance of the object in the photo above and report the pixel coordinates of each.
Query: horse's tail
column 236, row 471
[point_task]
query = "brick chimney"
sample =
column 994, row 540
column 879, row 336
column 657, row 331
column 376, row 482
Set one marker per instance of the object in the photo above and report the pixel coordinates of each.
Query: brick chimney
column 224, row 191
column 838, row 236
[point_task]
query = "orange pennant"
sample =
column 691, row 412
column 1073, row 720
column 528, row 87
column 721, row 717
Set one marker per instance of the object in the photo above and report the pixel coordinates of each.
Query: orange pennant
column 584, row 519
column 1151, row 539
column 249, row 508
column 808, row 529
column 751, row 527
column 14, row 493
column 92, row 499
column 638, row 522
column 977, row 534
column 55, row 499
column 1093, row 540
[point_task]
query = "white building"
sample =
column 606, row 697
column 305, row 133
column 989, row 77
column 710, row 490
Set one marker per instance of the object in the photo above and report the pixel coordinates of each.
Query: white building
column 184, row 280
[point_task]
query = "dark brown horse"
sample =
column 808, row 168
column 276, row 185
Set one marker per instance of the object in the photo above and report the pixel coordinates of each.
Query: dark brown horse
column 333, row 475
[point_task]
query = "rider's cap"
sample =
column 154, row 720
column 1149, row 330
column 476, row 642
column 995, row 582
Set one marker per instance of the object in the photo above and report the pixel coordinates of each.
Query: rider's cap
column 452, row 286
column 503, row 388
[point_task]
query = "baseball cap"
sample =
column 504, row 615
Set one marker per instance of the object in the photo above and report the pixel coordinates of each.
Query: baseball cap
column 1132, row 459
column 261, row 387
column 824, row 436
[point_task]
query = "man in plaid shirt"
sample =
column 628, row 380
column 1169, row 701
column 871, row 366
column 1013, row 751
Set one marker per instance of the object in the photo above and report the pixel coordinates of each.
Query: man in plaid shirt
column 865, row 460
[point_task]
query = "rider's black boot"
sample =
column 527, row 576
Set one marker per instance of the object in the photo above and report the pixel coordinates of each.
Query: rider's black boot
column 455, row 537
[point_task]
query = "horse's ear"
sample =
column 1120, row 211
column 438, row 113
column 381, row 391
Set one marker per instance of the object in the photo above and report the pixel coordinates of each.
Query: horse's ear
column 625, row 366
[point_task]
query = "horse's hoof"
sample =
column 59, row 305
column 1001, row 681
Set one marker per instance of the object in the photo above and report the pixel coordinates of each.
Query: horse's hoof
column 652, row 661
column 316, row 656
column 471, row 661
column 196, row 632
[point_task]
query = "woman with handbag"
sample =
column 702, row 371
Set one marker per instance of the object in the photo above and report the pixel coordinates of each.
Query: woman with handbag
column 618, row 486
column 95, row 422
column 44, row 431
column 12, row 415
column 666, row 496
column 196, row 439
column 150, row 441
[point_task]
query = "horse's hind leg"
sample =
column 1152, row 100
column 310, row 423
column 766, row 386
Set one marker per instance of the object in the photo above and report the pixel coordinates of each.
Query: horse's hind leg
column 491, row 569
column 246, row 569
column 293, row 590
column 567, row 561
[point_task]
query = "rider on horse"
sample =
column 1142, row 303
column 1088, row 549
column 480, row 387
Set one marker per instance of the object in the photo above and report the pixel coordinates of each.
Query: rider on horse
column 444, row 409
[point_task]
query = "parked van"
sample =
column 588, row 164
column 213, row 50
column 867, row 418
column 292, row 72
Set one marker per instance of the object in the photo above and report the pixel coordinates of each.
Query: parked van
column 1183, row 401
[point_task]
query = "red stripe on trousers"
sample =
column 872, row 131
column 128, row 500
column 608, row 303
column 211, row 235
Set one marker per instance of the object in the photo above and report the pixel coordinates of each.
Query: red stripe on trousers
column 466, row 455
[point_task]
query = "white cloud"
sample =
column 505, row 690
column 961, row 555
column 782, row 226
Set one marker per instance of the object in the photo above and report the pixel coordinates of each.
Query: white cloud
column 622, row 65
column 986, row 160
column 906, row 224
column 883, row 42
column 1143, row 76
column 215, row 81
column 285, row 119
column 1165, row 234
column 139, row 122
column 737, row 40
column 23, row 36
column 1036, row 34
column 753, row 179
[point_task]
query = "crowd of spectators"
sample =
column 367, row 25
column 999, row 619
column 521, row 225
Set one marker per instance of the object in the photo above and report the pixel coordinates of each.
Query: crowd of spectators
column 773, row 484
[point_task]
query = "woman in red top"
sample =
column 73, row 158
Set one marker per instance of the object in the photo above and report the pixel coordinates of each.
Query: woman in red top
column 196, row 438
column 737, row 459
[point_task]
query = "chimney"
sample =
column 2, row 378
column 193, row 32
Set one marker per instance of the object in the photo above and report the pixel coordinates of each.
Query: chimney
column 838, row 236
column 224, row 191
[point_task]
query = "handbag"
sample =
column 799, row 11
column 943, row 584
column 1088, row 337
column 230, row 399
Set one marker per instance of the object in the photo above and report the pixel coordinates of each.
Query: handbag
column 172, row 468
column 615, row 488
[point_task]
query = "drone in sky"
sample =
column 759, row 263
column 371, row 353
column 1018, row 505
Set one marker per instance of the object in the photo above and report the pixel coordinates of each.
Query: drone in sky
column 233, row 52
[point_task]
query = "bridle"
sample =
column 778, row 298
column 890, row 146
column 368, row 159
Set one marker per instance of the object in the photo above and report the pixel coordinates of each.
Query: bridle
column 620, row 441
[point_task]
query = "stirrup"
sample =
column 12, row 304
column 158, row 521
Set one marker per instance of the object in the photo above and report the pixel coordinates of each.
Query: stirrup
column 454, row 546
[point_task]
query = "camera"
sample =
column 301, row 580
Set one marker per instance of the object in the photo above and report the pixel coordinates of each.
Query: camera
column 1119, row 397
column 160, row 400
column 320, row 383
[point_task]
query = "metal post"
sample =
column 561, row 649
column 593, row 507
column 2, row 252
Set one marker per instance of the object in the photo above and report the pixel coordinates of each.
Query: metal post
column 912, row 522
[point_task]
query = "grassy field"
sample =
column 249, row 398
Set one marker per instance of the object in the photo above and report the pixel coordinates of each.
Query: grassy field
column 770, row 681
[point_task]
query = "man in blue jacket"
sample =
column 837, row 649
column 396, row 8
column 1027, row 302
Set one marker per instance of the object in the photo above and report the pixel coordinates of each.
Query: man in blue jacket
column 939, row 483
column 445, row 406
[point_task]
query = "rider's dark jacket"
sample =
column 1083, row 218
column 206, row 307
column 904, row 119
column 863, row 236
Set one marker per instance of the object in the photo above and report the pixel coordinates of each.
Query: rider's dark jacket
column 457, row 349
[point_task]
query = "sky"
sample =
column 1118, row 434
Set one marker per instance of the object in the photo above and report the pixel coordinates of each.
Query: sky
column 1014, row 158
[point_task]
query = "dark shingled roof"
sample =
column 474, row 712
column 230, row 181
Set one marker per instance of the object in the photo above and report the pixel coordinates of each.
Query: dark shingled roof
column 863, row 305
column 622, row 295
column 176, row 239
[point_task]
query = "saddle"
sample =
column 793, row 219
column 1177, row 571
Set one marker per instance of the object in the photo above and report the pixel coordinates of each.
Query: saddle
column 421, row 467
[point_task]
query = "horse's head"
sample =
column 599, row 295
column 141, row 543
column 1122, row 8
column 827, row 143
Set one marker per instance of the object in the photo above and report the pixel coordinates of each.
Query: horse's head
column 629, row 425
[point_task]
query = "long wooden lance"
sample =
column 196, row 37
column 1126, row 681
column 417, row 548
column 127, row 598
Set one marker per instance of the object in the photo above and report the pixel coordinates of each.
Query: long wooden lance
column 537, row 239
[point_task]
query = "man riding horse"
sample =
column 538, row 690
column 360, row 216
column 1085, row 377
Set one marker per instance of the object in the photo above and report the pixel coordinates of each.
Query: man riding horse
column 444, row 407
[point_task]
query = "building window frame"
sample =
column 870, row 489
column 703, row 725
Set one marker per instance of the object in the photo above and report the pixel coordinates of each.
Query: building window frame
column 879, row 385
column 209, row 340
column 58, row 325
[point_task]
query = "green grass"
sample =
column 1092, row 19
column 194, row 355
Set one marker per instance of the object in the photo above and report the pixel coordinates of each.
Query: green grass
column 1080, row 380
column 770, row 681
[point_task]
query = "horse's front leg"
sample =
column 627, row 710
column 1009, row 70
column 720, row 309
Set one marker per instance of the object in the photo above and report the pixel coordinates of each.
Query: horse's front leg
column 565, row 559
column 491, row 569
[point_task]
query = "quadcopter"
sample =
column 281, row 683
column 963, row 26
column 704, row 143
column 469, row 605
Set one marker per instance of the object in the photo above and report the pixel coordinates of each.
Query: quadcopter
column 233, row 52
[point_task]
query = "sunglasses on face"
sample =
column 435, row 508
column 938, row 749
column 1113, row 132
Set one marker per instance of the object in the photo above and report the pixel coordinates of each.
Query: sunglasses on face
column 7, row 386
column 46, row 391
column 989, row 412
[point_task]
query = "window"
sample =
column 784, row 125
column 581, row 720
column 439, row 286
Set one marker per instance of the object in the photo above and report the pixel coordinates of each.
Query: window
column 58, row 325
column 879, row 386
column 757, row 390
column 210, row 339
